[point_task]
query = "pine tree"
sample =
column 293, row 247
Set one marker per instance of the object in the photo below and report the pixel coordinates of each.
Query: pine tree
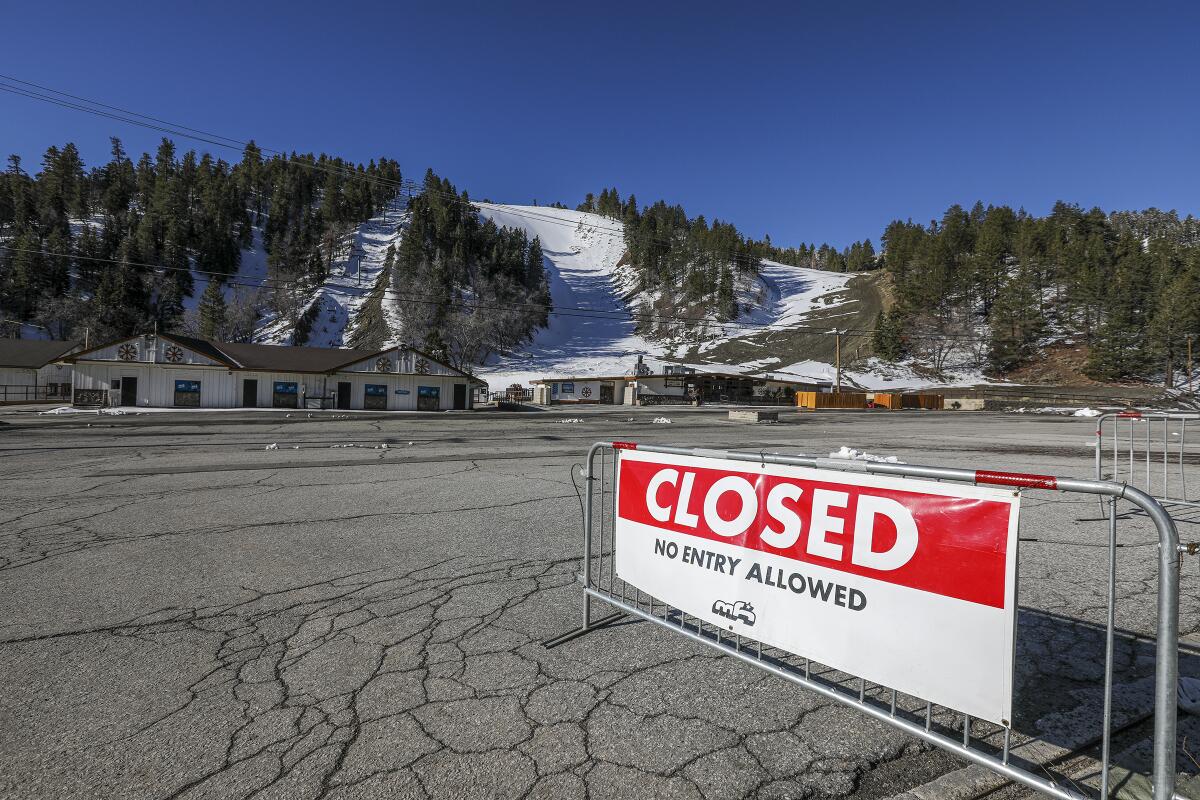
column 887, row 340
column 211, row 311
column 726, row 302
column 26, row 271
column 535, row 271
column 1016, row 325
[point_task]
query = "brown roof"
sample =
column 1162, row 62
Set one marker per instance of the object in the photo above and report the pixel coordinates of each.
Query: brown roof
column 276, row 358
column 205, row 347
column 32, row 353
column 282, row 358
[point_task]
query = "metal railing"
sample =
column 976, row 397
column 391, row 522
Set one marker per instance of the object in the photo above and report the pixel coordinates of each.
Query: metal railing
column 977, row 741
column 35, row 394
column 1150, row 450
column 513, row 396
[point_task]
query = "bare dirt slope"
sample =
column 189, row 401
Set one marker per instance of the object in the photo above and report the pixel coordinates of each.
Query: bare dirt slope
column 854, row 307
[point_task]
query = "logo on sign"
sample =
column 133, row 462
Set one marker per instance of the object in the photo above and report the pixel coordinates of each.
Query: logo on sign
column 738, row 611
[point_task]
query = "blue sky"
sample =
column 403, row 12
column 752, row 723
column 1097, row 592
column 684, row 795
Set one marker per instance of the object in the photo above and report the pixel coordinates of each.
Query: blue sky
column 810, row 122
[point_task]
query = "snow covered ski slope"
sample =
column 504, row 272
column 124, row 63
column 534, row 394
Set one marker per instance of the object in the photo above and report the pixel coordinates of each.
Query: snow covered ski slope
column 356, row 267
column 591, row 331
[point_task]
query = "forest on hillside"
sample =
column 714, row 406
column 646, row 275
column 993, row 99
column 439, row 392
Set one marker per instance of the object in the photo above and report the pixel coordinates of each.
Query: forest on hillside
column 112, row 250
column 988, row 289
column 465, row 288
column 993, row 288
column 688, row 269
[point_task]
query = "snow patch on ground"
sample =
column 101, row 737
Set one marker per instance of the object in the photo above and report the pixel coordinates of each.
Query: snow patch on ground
column 251, row 273
column 1062, row 411
column 877, row 375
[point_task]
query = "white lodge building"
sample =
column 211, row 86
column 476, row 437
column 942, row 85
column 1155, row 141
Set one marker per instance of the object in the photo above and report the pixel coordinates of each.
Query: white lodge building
column 166, row 370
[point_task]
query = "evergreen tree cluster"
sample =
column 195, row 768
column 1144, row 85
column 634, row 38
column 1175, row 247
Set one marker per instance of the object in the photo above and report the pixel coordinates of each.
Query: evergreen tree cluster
column 1003, row 283
column 112, row 248
column 690, row 268
column 858, row 257
column 466, row 288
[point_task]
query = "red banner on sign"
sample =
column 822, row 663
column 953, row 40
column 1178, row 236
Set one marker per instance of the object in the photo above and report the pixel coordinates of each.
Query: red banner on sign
column 948, row 545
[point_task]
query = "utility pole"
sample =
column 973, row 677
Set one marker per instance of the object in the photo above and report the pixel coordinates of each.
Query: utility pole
column 837, row 339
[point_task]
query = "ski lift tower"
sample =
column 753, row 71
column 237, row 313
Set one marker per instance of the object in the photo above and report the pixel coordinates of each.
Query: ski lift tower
column 356, row 256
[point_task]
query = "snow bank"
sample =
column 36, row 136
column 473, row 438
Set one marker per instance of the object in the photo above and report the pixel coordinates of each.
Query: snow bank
column 850, row 454
column 1087, row 412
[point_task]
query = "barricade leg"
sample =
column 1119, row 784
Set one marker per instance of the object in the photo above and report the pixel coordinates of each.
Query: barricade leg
column 589, row 480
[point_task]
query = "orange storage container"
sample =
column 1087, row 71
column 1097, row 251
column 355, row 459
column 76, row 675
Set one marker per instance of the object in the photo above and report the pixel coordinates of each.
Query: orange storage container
column 831, row 400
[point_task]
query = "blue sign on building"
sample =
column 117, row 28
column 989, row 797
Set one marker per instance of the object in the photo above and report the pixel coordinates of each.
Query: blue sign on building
column 285, row 387
column 187, row 387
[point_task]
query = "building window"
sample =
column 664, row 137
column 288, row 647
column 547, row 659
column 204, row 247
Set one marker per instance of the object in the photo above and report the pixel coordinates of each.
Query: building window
column 375, row 397
column 429, row 398
column 285, row 394
column 187, row 393
column 568, row 388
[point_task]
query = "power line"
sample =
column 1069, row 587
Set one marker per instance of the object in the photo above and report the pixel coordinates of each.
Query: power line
column 399, row 188
column 220, row 140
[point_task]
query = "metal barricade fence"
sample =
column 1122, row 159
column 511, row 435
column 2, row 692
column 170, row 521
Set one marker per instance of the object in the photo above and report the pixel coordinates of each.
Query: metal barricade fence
column 1149, row 450
column 979, row 742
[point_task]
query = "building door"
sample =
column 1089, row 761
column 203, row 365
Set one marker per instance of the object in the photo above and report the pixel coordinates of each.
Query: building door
column 460, row 396
column 249, row 392
column 343, row 400
column 606, row 393
column 128, row 391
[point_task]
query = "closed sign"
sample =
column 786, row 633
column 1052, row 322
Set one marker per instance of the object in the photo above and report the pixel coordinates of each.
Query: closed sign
column 907, row 583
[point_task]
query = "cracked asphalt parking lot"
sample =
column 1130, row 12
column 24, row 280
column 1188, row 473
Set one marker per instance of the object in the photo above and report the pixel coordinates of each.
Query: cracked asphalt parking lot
column 187, row 614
